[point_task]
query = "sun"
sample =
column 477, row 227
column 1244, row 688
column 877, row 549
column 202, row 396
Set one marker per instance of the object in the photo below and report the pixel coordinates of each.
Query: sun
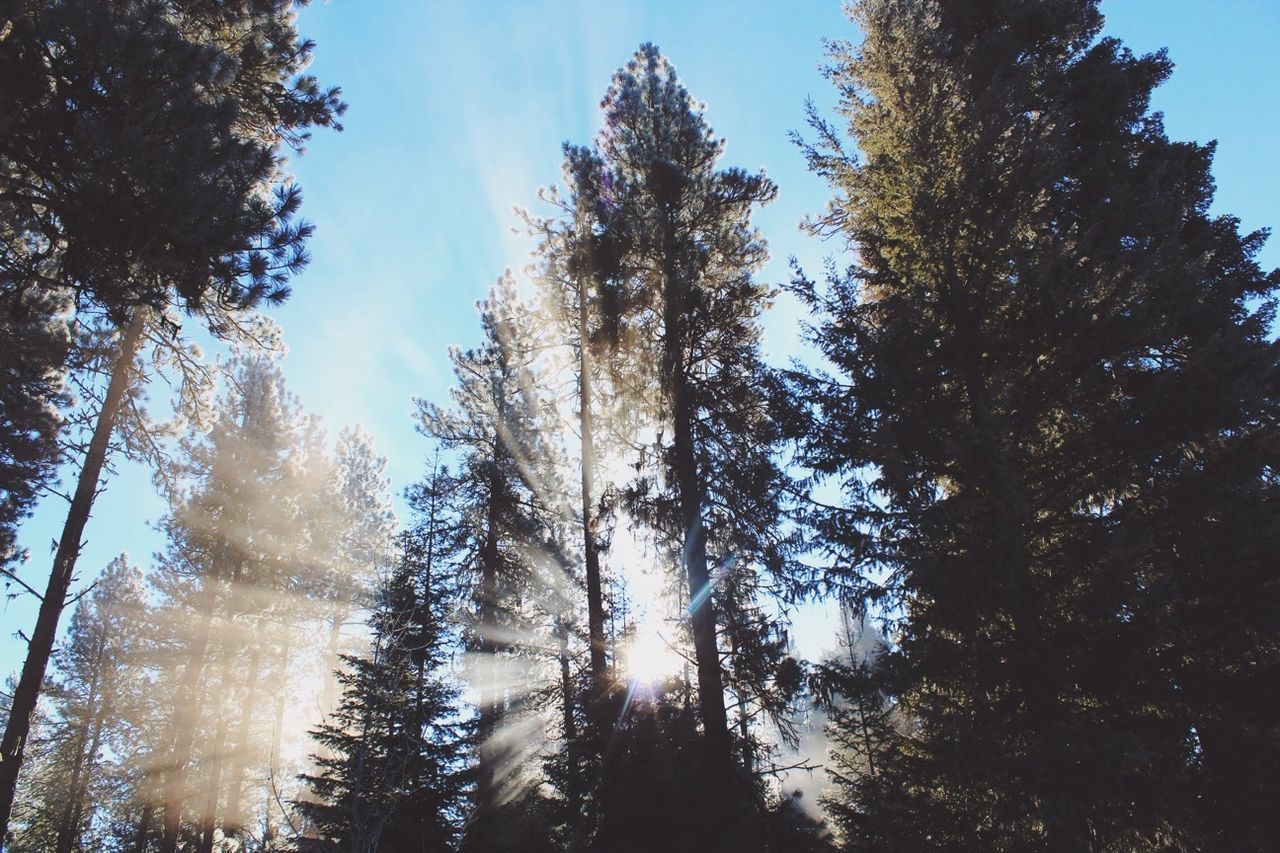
column 649, row 658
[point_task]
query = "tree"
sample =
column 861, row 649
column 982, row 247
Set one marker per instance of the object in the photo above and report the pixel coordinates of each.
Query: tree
column 392, row 774
column 690, row 308
column 860, row 727
column 139, row 136
column 578, row 266
column 95, row 693
column 352, row 526
column 1044, row 349
column 234, row 570
column 507, row 505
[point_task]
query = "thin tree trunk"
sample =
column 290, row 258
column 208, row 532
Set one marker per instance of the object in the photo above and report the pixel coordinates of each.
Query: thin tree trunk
column 209, row 814
column 854, row 665
column 741, row 699
column 702, row 615
column 186, row 715
column 42, row 638
column 234, row 821
column 277, row 737
column 570, row 724
column 213, row 779
column 89, row 738
column 486, row 793
column 144, row 827
column 590, row 550
column 744, row 731
column 70, row 830
column 329, row 696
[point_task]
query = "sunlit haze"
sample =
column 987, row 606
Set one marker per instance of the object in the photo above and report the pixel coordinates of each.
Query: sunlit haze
column 296, row 491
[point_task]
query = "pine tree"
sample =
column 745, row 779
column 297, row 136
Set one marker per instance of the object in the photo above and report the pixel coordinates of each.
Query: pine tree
column 1055, row 366
column 860, row 727
column 230, row 579
column 392, row 776
column 353, row 525
column 139, row 136
column 508, row 506
column 687, row 311
column 578, row 266
column 94, row 693
column 34, row 340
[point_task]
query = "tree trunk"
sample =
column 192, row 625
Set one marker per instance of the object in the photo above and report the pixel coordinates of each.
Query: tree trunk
column 64, row 565
column 144, row 827
column 277, row 736
column 186, row 716
column 702, row 614
column 329, row 696
column 209, row 814
column 573, row 783
column 234, row 821
column 486, row 793
column 591, row 553
column 744, row 731
column 69, row 832
column 89, row 737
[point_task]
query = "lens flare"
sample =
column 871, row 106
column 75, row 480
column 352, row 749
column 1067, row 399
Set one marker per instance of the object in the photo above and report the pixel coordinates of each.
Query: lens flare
column 649, row 657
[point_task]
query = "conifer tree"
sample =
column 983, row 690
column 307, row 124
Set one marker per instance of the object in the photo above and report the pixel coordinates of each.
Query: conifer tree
column 236, row 535
column 94, row 691
column 139, row 136
column 352, row 526
column 393, row 774
column 1055, row 365
column 688, row 311
column 578, row 266
column 860, row 726
column 507, row 504
column 34, row 342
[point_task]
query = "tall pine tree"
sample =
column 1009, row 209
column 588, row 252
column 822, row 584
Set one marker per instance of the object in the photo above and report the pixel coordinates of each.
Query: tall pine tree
column 508, row 503
column 392, row 776
column 687, row 310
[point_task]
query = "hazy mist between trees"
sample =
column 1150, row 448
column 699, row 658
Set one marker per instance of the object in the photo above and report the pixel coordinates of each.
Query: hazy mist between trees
column 1031, row 457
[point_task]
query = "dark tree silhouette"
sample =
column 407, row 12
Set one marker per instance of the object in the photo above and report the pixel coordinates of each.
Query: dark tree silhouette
column 1053, row 414
column 392, row 776
column 690, row 316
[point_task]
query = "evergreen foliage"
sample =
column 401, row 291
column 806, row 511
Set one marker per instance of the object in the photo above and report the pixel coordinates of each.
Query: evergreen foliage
column 508, row 504
column 94, row 692
column 1031, row 459
column 392, row 773
column 34, row 341
column 689, row 311
column 140, row 140
column 1055, row 366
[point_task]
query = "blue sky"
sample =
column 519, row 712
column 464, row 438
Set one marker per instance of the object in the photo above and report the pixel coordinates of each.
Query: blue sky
column 458, row 110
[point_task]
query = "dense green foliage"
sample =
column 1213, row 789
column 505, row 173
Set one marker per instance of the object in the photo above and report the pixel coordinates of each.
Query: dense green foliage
column 1055, row 366
column 141, row 178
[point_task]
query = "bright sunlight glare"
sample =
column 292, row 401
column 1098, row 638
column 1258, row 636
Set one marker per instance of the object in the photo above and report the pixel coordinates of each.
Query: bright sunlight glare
column 649, row 658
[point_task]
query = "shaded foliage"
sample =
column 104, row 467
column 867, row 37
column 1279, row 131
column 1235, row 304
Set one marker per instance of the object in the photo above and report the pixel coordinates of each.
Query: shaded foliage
column 1045, row 347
